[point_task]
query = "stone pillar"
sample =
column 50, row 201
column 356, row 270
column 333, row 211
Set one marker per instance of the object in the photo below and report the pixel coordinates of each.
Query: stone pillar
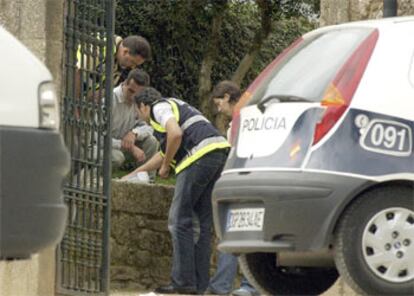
column 26, row 20
column 54, row 40
column 38, row 24
column 340, row 11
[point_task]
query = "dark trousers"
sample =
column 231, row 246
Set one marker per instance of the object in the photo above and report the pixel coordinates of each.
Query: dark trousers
column 192, row 196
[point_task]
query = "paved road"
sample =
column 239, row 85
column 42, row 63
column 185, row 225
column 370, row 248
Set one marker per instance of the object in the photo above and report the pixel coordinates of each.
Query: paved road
column 339, row 289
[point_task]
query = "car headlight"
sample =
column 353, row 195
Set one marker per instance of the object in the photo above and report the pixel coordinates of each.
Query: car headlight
column 48, row 106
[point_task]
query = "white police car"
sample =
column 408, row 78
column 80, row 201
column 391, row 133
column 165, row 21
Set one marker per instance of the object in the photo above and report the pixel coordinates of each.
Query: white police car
column 320, row 177
column 33, row 156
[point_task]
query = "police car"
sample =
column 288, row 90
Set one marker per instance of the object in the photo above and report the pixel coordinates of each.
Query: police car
column 33, row 156
column 320, row 177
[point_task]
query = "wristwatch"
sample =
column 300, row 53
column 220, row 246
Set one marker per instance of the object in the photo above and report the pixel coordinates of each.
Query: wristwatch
column 135, row 132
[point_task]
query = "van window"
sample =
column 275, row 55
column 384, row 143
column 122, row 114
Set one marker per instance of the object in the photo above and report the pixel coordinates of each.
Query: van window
column 307, row 70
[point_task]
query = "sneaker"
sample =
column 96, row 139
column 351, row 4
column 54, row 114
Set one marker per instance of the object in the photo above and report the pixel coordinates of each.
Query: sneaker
column 244, row 292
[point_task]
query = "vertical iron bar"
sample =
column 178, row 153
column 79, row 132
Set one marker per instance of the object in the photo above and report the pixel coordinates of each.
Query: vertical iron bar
column 75, row 100
column 101, row 152
column 110, row 10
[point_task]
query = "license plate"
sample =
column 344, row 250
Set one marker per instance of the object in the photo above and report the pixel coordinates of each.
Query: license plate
column 250, row 219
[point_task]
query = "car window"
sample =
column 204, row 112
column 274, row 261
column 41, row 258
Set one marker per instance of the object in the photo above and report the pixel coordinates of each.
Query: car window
column 307, row 71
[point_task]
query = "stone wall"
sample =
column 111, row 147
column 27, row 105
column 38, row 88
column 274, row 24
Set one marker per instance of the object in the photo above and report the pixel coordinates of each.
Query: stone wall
column 39, row 25
column 340, row 11
column 140, row 241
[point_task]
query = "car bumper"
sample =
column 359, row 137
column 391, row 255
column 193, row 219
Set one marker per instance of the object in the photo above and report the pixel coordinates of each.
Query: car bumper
column 301, row 209
column 33, row 163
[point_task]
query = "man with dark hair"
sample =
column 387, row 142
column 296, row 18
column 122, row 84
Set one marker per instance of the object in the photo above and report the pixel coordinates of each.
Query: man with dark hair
column 131, row 135
column 129, row 53
column 137, row 46
column 194, row 147
column 225, row 96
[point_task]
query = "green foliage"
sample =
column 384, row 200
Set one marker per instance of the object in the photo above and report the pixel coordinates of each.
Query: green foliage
column 178, row 31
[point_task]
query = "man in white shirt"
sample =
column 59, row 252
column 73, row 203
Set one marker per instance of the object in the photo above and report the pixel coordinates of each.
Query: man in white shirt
column 130, row 135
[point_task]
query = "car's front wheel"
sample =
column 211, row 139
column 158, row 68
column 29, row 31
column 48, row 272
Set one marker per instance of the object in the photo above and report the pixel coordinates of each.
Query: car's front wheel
column 262, row 271
column 374, row 245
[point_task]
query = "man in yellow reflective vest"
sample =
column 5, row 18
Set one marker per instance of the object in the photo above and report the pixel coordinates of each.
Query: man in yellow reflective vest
column 129, row 53
column 195, row 149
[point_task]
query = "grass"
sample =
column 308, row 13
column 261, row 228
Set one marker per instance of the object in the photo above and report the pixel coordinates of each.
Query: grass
column 169, row 181
column 117, row 173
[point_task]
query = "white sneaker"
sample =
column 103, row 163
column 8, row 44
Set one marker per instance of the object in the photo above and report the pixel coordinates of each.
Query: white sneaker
column 244, row 292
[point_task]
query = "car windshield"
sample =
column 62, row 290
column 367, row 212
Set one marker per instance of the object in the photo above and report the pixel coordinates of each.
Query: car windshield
column 309, row 68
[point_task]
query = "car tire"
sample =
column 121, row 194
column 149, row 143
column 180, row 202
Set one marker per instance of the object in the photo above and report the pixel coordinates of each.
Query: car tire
column 262, row 272
column 379, row 223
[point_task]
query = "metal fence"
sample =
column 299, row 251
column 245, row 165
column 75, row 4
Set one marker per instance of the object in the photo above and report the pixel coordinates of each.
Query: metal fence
column 83, row 254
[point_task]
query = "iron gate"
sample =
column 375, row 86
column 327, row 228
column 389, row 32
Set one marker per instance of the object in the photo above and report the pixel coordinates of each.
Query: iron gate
column 83, row 254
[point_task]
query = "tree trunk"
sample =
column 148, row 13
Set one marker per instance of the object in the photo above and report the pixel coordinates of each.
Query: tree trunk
column 244, row 66
column 267, row 9
column 204, row 80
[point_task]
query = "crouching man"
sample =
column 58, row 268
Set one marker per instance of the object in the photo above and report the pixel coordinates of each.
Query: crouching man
column 131, row 136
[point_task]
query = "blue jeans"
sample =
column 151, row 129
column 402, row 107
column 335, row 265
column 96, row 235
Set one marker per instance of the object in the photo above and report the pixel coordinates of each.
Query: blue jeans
column 192, row 195
column 222, row 281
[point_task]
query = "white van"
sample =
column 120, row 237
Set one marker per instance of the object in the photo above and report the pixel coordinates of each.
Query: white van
column 320, row 177
column 33, row 156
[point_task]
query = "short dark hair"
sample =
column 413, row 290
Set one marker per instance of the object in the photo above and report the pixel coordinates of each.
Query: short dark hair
column 138, row 45
column 227, row 87
column 147, row 96
column 139, row 76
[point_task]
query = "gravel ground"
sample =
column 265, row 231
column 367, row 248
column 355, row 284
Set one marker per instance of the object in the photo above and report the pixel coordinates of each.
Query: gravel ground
column 131, row 293
column 339, row 289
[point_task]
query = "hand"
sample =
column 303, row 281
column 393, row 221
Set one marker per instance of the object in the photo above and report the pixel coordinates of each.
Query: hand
column 164, row 171
column 138, row 154
column 128, row 141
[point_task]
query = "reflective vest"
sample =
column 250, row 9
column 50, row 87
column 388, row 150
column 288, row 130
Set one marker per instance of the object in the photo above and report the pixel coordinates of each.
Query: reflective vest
column 199, row 135
column 94, row 63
